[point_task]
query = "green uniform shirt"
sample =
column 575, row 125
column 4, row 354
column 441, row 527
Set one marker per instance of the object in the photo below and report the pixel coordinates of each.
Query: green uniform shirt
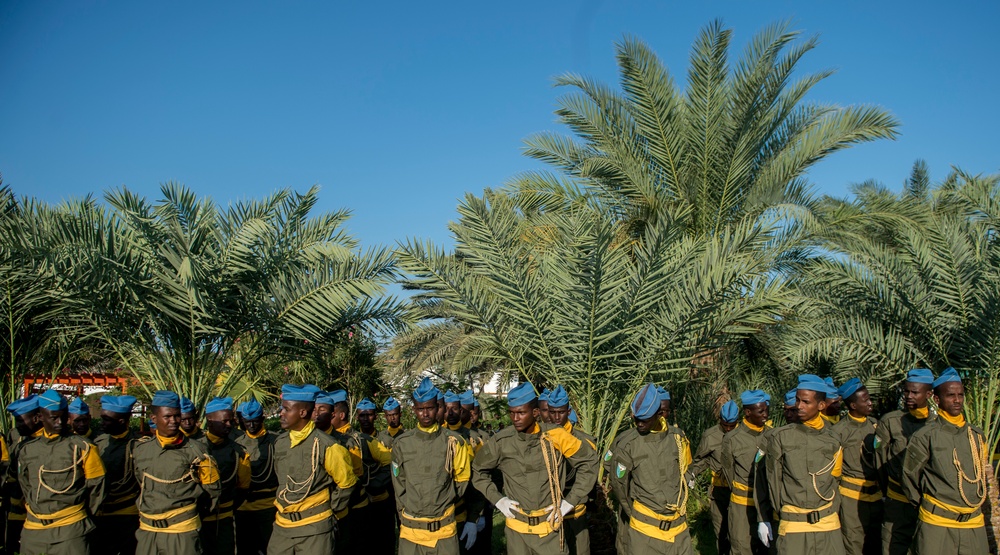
column 741, row 448
column 891, row 438
column 803, row 476
column 263, row 480
column 709, row 453
column 388, row 438
column 176, row 478
column 424, row 479
column 857, row 440
column 122, row 489
column 234, row 472
column 62, row 478
column 518, row 457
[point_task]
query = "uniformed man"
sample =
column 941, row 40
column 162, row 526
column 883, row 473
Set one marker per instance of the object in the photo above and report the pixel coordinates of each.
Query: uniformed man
column 534, row 460
column 468, row 507
column 378, row 531
column 441, row 408
column 543, row 406
column 833, row 406
column 767, row 513
column 323, row 417
column 576, row 522
column 665, row 403
column 118, row 518
column 430, row 472
column 393, row 420
column 622, row 532
column 62, row 479
column 26, row 423
column 189, row 422
column 944, row 474
column 218, row 532
column 803, row 473
column 892, row 435
column 650, row 480
column 740, row 450
column 176, row 476
column 315, row 478
column 79, row 418
column 861, row 498
column 255, row 517
column 478, row 436
column 709, row 456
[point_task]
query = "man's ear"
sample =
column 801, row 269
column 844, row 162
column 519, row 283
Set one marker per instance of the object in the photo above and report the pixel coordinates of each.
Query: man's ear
column 823, row 404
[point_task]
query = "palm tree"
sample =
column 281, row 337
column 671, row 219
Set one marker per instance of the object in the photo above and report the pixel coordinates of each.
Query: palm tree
column 172, row 287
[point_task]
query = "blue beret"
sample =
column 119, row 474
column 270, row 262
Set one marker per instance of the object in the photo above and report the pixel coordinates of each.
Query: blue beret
column 753, row 396
column 544, row 395
column 52, row 400
column 790, row 399
column 23, row 406
column 833, row 388
column 425, row 391
column 121, row 405
column 663, row 393
column 168, row 399
column 303, row 393
column 219, row 403
column 78, row 407
column 730, row 412
column 920, row 375
column 646, row 402
column 468, row 398
column 187, row 406
column 324, row 398
column 440, row 395
column 521, row 395
column 152, row 425
column 573, row 417
column 338, row 396
column 558, row 397
column 251, row 410
column 366, row 404
column 949, row 375
column 812, row 382
column 452, row 397
column 850, row 387
column 390, row 404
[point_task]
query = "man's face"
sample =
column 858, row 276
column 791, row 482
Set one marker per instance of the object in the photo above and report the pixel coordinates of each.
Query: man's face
column 393, row 417
column 426, row 412
column 167, row 420
column 474, row 415
column 950, row 397
column 323, row 416
column 295, row 415
column 253, row 426
column 113, row 423
column 756, row 413
column 808, row 404
column 862, row 403
column 792, row 414
column 524, row 417
column 340, row 415
column 727, row 426
column 52, row 420
column 80, row 423
column 441, row 410
column 467, row 414
column 664, row 409
column 28, row 424
column 366, row 421
column 188, row 423
column 220, row 422
column 647, row 425
column 915, row 395
column 453, row 413
column 832, row 407
column 559, row 415
column 543, row 411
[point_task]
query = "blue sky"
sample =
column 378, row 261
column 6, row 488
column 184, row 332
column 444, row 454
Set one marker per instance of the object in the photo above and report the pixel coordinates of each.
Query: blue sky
column 398, row 109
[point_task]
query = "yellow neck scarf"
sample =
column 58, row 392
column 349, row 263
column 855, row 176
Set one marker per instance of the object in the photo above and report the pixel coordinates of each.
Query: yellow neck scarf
column 957, row 421
column 192, row 433
column 816, row 423
column 921, row 413
column 165, row 441
column 42, row 433
column 455, row 427
column 121, row 435
column 434, row 427
column 345, row 428
column 663, row 426
column 857, row 418
column 831, row 419
column 393, row 431
column 299, row 436
column 213, row 438
column 569, row 426
column 259, row 435
column 750, row 425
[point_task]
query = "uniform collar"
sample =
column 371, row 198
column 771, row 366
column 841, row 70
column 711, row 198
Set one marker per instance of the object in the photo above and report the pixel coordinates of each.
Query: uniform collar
column 298, row 436
column 858, row 419
column 214, row 438
column 166, row 442
column 454, row 428
column 957, row 421
column 921, row 413
column 42, row 433
column 816, row 423
column 344, row 429
column 751, row 426
column 260, row 434
column 393, row 431
column 831, row 419
column 121, row 435
column 434, row 427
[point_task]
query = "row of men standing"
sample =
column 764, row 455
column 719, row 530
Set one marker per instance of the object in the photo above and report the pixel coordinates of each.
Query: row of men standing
column 911, row 482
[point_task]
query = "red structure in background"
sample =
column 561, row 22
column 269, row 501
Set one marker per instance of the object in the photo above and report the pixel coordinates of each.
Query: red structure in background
column 73, row 380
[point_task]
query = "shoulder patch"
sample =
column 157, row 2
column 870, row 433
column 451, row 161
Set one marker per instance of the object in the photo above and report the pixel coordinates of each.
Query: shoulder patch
column 760, row 455
column 395, row 469
column 876, row 442
column 608, row 455
column 620, row 470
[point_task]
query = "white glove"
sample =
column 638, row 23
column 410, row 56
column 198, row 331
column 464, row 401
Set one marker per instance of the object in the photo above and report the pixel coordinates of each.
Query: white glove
column 691, row 484
column 468, row 534
column 481, row 524
column 507, row 506
column 565, row 508
column 764, row 533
